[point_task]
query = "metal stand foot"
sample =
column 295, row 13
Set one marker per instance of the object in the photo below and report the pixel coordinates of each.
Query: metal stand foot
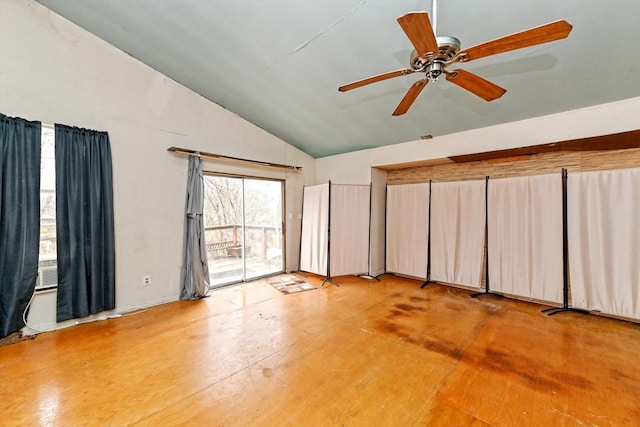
column 479, row 294
column 555, row 310
column 329, row 280
column 424, row 285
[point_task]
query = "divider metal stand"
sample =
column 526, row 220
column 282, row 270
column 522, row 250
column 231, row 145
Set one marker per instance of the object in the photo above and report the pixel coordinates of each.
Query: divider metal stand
column 328, row 278
column 487, row 290
column 565, row 256
column 428, row 279
column 368, row 275
column 386, row 187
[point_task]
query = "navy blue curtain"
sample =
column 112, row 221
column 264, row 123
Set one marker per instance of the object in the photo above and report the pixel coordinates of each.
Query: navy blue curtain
column 19, row 218
column 84, row 223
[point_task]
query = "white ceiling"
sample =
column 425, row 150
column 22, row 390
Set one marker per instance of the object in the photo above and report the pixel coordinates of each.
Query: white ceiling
column 278, row 63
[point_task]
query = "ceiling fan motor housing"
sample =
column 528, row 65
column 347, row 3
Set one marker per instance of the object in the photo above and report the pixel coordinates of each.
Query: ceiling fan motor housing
column 433, row 64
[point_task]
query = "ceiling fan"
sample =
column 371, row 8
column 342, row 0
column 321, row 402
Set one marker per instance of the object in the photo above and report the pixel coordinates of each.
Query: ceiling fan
column 432, row 55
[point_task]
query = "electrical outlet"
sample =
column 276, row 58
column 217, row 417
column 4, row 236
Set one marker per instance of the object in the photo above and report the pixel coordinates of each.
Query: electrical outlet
column 146, row 280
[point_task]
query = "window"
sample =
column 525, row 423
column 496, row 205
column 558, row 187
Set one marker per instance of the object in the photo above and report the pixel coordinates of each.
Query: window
column 47, row 265
column 243, row 228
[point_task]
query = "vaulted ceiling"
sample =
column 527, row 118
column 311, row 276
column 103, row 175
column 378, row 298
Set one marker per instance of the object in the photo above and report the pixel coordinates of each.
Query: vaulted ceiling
column 278, row 64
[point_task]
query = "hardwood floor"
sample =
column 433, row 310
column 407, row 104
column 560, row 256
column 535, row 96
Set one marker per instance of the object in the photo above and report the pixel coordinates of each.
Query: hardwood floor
column 366, row 353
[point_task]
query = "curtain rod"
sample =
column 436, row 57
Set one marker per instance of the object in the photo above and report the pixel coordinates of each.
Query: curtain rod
column 188, row 152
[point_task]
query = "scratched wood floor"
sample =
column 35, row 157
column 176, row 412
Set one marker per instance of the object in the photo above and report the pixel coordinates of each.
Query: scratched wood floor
column 365, row 354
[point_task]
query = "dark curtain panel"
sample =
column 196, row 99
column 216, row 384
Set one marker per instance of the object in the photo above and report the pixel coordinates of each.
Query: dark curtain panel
column 195, row 268
column 19, row 218
column 84, row 221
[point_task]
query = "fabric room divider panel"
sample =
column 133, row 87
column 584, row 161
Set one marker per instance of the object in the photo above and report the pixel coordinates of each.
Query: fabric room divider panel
column 407, row 229
column 349, row 229
column 604, row 241
column 525, row 236
column 457, row 232
column 315, row 229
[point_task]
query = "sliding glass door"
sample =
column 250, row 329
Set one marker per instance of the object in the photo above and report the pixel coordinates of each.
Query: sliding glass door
column 243, row 226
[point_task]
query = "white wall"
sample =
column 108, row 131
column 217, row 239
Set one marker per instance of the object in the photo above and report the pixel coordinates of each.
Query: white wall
column 598, row 120
column 615, row 117
column 55, row 72
column 348, row 168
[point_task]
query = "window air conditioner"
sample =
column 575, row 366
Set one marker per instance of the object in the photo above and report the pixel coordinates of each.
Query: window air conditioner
column 47, row 275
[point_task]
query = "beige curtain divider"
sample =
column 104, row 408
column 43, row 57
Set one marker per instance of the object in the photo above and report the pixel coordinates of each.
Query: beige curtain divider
column 604, row 241
column 335, row 230
column 349, row 229
column 525, row 237
column 457, row 232
column 315, row 229
column 407, row 229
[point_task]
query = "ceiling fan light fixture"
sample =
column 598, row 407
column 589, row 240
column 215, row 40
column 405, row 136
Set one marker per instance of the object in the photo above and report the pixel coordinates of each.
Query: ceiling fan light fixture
column 435, row 70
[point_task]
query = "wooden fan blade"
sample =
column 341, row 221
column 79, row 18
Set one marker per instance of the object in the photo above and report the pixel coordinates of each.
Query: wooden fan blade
column 410, row 96
column 531, row 37
column 418, row 29
column 375, row 79
column 475, row 84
